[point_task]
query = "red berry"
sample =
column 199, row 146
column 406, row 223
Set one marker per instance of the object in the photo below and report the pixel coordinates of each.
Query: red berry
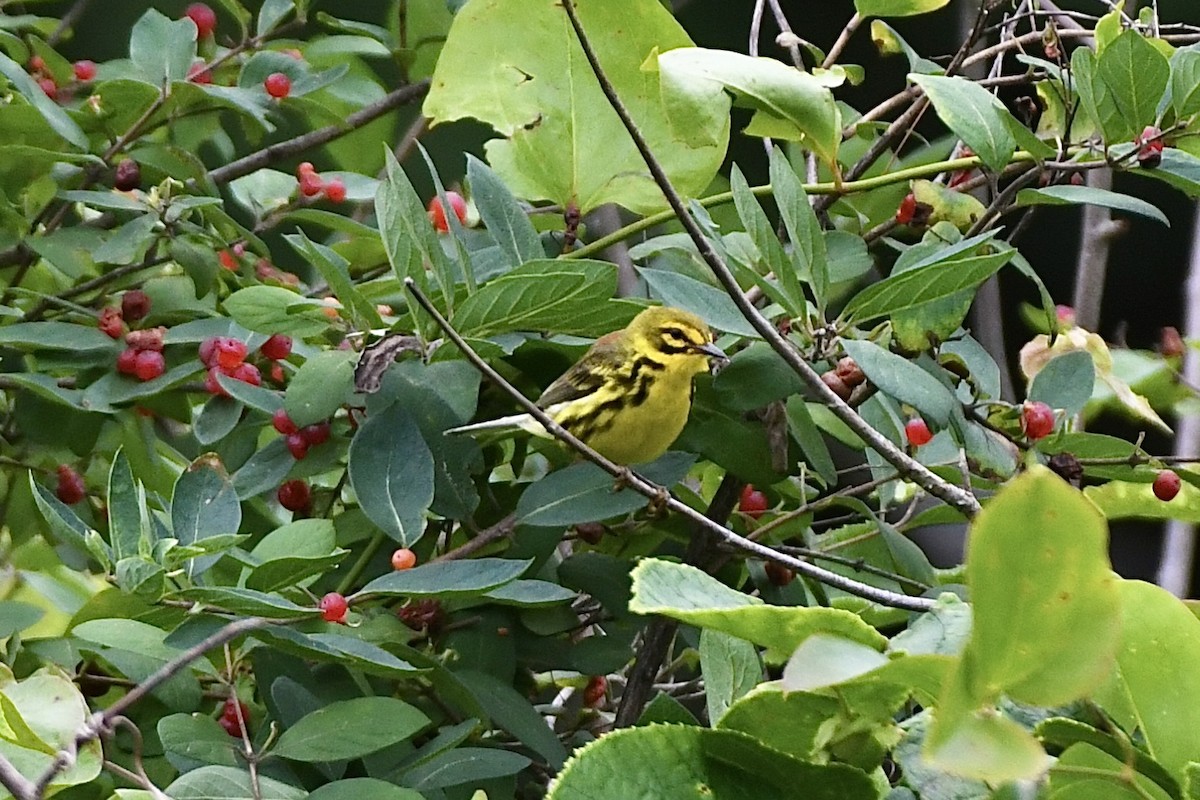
column 282, row 422
column 111, row 322
column 278, row 85
column 335, row 190
column 1037, row 420
column 753, row 502
column 595, row 691
column 1166, row 485
column 334, row 607
column 437, row 214
column 316, row 434
column 311, row 184
column 294, row 495
column 1065, row 315
column 227, row 259
column 305, row 167
column 229, row 719
column 247, row 373
column 208, row 350
column 1150, row 147
column 850, row 372
column 84, row 70
column 403, row 559
column 49, row 87
column 127, row 361
column 908, row 207
column 836, row 384
column 128, row 175
column 296, row 445
column 135, row 304
column 778, row 574
column 917, row 432
column 150, row 364
column 37, row 63
column 277, row 347
column 70, row 489
column 1170, row 343
column 204, row 17
column 199, row 73
column 212, row 385
column 148, row 339
column 230, row 352
column 277, row 373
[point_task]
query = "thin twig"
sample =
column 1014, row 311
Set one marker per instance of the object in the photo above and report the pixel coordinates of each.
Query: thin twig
column 914, row 470
column 495, row 533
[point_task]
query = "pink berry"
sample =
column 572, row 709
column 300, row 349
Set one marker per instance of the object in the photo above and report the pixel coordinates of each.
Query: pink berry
column 211, row 383
column 335, row 190
column 84, row 70
column 277, row 347
column 437, row 214
column 111, row 322
column 296, row 445
column 1166, row 485
column 229, row 352
column 71, row 488
column 247, row 373
column 135, row 304
column 127, row 361
column 311, row 184
column 278, row 85
column 917, row 432
column 49, row 87
column 128, row 175
column 204, row 17
column 208, row 350
column 304, row 168
column 1037, row 420
column 150, row 364
column 316, row 434
column 199, row 73
column 283, row 423
column 334, row 607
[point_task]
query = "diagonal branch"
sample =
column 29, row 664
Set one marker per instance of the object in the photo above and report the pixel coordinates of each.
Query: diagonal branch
column 955, row 496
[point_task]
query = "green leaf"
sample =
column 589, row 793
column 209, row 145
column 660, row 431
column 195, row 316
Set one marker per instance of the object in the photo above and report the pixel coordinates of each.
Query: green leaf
column 903, row 380
column 246, row 601
column 464, row 765
column 1096, row 98
column 273, row 309
column 504, row 218
column 391, row 470
column 631, row 763
column 162, row 48
column 336, row 272
column 217, row 418
column 362, row 789
column 896, row 8
column 585, row 493
column 762, row 233
column 924, row 284
column 197, row 737
column 446, row 579
column 1148, row 692
column 128, row 523
column 137, row 650
column 64, row 524
column 510, row 710
column 54, row 115
column 16, row 616
column 1062, row 733
column 804, row 428
column 790, row 104
column 271, row 14
column 530, row 593
column 1137, row 75
column 731, row 669
column 974, row 114
column 703, row 299
column 1185, row 81
column 321, row 386
column 264, row 470
column 408, row 239
column 545, row 294
column 1065, row 382
column 563, row 143
column 203, row 504
column 804, row 231
column 1071, row 195
column 56, row 336
column 692, row 596
column 230, row 783
column 337, row 731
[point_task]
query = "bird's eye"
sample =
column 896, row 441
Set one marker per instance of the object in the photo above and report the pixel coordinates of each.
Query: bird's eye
column 675, row 335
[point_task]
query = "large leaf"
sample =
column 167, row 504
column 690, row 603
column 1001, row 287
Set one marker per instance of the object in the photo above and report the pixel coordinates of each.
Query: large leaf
column 585, row 493
column 517, row 66
column 788, row 104
column 924, row 284
column 974, row 114
column 903, row 380
column 896, row 8
column 1070, row 195
column 203, row 504
column 391, row 469
column 1137, row 75
column 162, row 48
column 337, row 731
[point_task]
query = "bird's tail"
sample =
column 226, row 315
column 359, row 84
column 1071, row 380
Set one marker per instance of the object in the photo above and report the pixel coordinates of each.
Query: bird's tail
column 516, row 422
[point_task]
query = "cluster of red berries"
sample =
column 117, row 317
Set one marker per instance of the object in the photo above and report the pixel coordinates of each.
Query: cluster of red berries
column 142, row 356
column 224, row 355
column 229, row 716
column 844, row 377
column 312, row 184
column 1150, row 147
column 437, row 213
column 298, row 439
column 70, row 488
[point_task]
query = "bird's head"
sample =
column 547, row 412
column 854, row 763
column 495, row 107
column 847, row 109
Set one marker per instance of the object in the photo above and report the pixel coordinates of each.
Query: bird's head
column 674, row 333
